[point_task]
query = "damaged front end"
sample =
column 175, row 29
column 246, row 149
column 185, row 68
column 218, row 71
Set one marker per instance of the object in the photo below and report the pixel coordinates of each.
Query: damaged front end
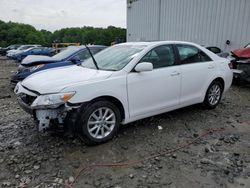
column 46, row 108
column 243, row 70
column 241, row 64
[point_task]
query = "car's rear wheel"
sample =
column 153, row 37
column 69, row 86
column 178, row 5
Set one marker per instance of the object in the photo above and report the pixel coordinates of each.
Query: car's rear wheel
column 213, row 95
column 98, row 122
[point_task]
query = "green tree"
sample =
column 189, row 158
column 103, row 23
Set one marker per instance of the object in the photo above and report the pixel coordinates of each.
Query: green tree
column 17, row 33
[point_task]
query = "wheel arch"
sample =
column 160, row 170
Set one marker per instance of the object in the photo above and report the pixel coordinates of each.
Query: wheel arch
column 115, row 101
column 205, row 100
column 221, row 80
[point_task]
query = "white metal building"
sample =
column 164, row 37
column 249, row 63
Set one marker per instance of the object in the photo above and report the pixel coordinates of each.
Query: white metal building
column 206, row 22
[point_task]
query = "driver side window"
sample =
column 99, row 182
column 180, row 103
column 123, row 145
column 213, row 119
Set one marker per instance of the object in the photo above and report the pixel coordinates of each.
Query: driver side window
column 162, row 56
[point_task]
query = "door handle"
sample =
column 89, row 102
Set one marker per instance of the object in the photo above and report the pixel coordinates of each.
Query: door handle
column 175, row 73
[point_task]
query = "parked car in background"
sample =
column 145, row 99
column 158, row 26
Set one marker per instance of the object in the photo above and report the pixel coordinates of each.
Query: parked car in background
column 11, row 53
column 3, row 51
column 125, row 83
column 247, row 46
column 218, row 51
column 19, row 56
column 240, row 59
column 61, row 46
column 70, row 56
column 214, row 49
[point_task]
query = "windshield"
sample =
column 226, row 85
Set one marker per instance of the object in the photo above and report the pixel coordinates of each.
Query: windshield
column 65, row 53
column 11, row 47
column 24, row 47
column 30, row 49
column 114, row 58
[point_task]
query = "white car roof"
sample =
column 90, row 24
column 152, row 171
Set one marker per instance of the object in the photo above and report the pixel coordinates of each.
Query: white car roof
column 153, row 43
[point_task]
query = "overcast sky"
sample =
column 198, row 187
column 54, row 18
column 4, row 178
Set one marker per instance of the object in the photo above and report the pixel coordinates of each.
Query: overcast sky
column 56, row 14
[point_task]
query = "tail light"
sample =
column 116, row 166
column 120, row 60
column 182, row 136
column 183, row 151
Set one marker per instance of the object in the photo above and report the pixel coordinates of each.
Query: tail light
column 231, row 65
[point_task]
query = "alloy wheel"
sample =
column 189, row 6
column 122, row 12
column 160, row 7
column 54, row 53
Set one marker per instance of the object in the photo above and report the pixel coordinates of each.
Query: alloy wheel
column 101, row 122
column 214, row 94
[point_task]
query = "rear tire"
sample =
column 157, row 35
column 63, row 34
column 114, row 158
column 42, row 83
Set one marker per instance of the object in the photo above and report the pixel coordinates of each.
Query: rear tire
column 98, row 122
column 213, row 95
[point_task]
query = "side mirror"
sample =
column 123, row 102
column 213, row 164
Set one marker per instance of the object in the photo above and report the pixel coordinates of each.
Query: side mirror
column 143, row 67
column 75, row 59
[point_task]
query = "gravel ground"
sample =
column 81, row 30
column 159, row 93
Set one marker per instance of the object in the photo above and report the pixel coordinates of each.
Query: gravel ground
column 221, row 159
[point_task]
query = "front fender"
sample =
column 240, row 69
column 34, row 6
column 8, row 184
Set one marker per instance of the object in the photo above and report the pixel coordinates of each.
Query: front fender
column 111, row 87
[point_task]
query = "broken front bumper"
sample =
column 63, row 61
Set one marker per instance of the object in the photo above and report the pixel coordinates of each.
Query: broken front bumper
column 243, row 70
column 237, row 73
column 241, row 75
column 44, row 116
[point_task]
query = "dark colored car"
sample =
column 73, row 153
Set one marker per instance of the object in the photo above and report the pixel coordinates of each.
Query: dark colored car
column 73, row 55
column 34, row 51
column 218, row 51
column 214, row 49
column 3, row 51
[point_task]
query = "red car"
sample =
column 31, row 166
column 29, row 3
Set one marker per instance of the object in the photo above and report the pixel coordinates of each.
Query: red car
column 241, row 63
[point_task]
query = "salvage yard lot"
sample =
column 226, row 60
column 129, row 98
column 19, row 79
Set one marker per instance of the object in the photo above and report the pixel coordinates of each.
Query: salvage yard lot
column 220, row 159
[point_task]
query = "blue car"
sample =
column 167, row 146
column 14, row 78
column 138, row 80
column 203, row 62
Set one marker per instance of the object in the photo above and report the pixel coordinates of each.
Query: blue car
column 73, row 55
column 33, row 51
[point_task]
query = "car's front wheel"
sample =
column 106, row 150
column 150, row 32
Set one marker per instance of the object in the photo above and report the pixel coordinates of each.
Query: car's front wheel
column 213, row 95
column 98, row 122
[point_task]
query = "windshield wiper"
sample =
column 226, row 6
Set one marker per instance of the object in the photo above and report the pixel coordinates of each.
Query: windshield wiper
column 94, row 61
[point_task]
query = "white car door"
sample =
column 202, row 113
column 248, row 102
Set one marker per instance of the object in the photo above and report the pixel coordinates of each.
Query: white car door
column 197, row 70
column 149, row 92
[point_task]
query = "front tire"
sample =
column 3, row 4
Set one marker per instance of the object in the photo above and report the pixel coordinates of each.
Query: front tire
column 98, row 122
column 213, row 95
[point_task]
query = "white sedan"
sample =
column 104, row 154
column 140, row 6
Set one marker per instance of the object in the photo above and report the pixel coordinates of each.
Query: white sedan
column 125, row 83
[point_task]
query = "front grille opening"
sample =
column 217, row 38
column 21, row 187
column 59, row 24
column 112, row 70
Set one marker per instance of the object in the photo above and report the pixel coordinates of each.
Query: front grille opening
column 27, row 99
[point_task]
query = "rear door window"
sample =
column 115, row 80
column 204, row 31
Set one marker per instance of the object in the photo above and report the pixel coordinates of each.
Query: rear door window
column 190, row 54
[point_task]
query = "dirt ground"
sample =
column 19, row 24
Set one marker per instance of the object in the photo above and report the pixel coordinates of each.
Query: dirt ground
column 220, row 159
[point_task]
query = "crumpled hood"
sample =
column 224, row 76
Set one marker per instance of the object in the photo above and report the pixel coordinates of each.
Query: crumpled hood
column 54, row 80
column 30, row 59
column 242, row 53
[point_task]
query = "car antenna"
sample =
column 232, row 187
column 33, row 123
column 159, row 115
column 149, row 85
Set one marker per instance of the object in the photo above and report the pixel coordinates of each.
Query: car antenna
column 92, row 57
